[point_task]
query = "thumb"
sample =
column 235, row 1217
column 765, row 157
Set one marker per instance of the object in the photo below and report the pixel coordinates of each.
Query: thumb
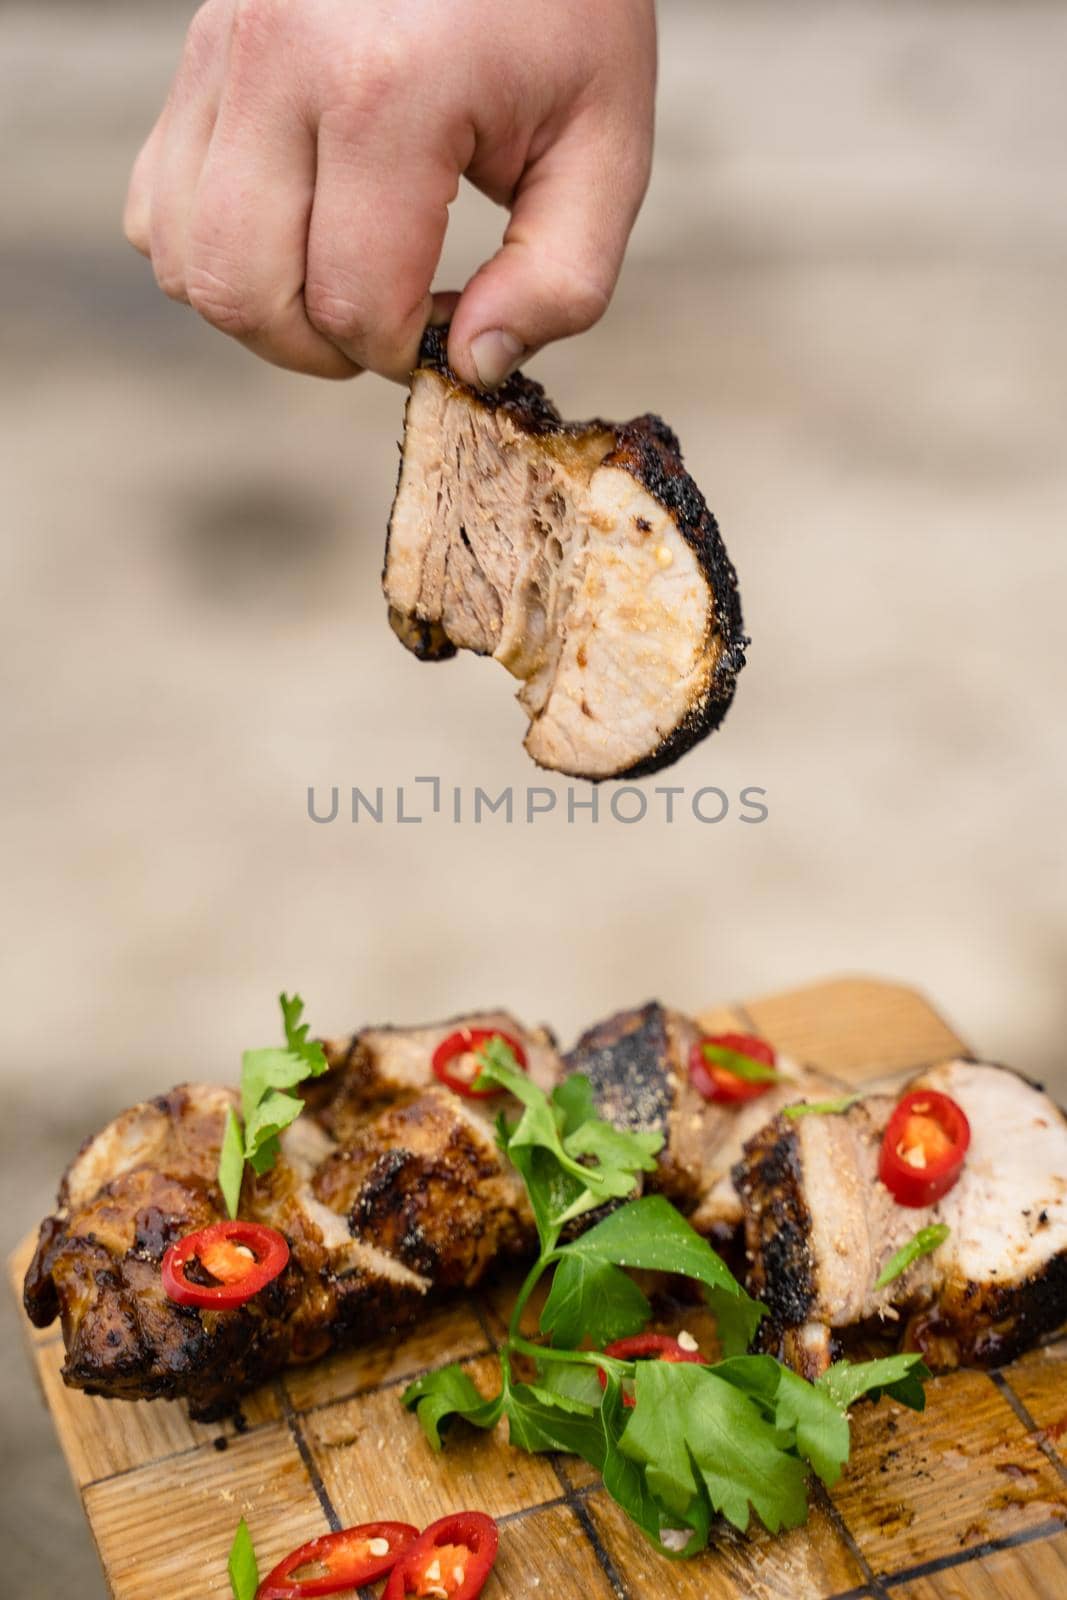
column 557, row 267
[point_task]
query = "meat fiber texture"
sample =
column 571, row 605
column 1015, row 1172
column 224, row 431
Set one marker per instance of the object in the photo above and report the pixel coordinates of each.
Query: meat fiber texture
column 581, row 556
column 820, row 1227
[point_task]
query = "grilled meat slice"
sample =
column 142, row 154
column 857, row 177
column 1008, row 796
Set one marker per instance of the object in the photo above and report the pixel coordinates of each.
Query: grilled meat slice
column 418, row 1199
column 149, row 1179
column 638, row 1064
column 381, row 1065
column 580, row 555
column 427, row 1182
column 820, row 1227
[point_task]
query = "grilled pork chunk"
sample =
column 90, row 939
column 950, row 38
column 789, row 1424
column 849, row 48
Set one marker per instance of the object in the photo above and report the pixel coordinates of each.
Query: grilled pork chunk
column 580, row 555
column 380, row 1065
column 820, row 1227
column 423, row 1200
column 638, row 1064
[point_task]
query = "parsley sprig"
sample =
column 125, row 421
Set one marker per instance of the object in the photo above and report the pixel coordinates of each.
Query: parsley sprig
column 726, row 1439
column 267, row 1103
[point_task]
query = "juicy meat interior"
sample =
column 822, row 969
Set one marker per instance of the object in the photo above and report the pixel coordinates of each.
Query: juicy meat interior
column 580, row 556
column 820, row 1226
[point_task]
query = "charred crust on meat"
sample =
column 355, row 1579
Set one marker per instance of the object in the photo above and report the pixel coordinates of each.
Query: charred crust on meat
column 39, row 1295
column 648, row 451
column 426, row 640
column 770, row 1181
column 627, row 1060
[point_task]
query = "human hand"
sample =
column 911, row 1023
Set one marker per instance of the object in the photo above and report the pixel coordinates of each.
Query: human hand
column 295, row 188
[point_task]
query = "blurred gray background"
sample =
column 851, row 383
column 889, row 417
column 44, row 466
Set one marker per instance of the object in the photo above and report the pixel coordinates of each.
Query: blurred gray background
column 846, row 292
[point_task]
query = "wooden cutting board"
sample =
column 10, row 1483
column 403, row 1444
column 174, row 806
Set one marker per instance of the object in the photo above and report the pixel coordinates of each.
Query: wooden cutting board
column 967, row 1500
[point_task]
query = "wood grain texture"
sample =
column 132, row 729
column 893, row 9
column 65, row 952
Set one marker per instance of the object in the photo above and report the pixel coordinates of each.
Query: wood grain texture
column 1026, row 1570
column 966, row 1500
column 957, row 1476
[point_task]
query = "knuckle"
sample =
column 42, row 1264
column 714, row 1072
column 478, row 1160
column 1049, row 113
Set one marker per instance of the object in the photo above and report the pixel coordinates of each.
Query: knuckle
column 582, row 300
column 255, row 23
column 135, row 227
column 332, row 313
column 171, row 281
column 226, row 304
column 203, row 35
column 360, row 84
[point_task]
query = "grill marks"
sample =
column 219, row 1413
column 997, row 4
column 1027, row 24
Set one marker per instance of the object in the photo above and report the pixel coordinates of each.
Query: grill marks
column 418, row 1198
column 580, row 555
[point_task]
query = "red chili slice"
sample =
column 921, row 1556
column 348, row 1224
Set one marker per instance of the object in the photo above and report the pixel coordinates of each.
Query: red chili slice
column 243, row 1257
column 463, row 1044
column 349, row 1558
column 660, row 1345
column 450, row 1560
column 924, row 1147
column 719, row 1083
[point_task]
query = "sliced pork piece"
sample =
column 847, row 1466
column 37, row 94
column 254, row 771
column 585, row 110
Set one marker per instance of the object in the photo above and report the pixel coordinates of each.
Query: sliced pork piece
column 379, row 1065
column 580, row 555
column 820, row 1227
column 427, row 1182
column 147, row 1180
column 420, row 1200
column 638, row 1063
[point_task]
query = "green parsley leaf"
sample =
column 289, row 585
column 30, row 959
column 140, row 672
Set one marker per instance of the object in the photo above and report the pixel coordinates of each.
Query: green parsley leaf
column 266, row 1070
column 438, row 1398
column 551, row 1191
column 650, row 1234
column 591, row 1299
column 626, row 1480
column 737, row 1317
column 243, row 1568
column 574, row 1097
column 267, row 1107
column 900, row 1377
column 271, row 1114
column 569, row 1379
column 923, row 1244
column 231, row 1162
column 800, row 1411
column 310, row 1051
column 820, row 1428
column 822, row 1108
column 742, row 1066
column 697, row 1434
column 541, row 1419
column 567, row 1173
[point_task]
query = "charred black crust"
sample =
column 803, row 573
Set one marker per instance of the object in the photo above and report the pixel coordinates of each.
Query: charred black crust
column 426, row 640
column 1036, row 1307
column 520, row 397
column 769, row 1178
column 39, row 1295
column 649, row 450
column 627, row 1060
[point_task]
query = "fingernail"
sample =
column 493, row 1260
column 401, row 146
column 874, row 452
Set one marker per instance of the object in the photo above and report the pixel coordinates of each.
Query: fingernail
column 495, row 354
